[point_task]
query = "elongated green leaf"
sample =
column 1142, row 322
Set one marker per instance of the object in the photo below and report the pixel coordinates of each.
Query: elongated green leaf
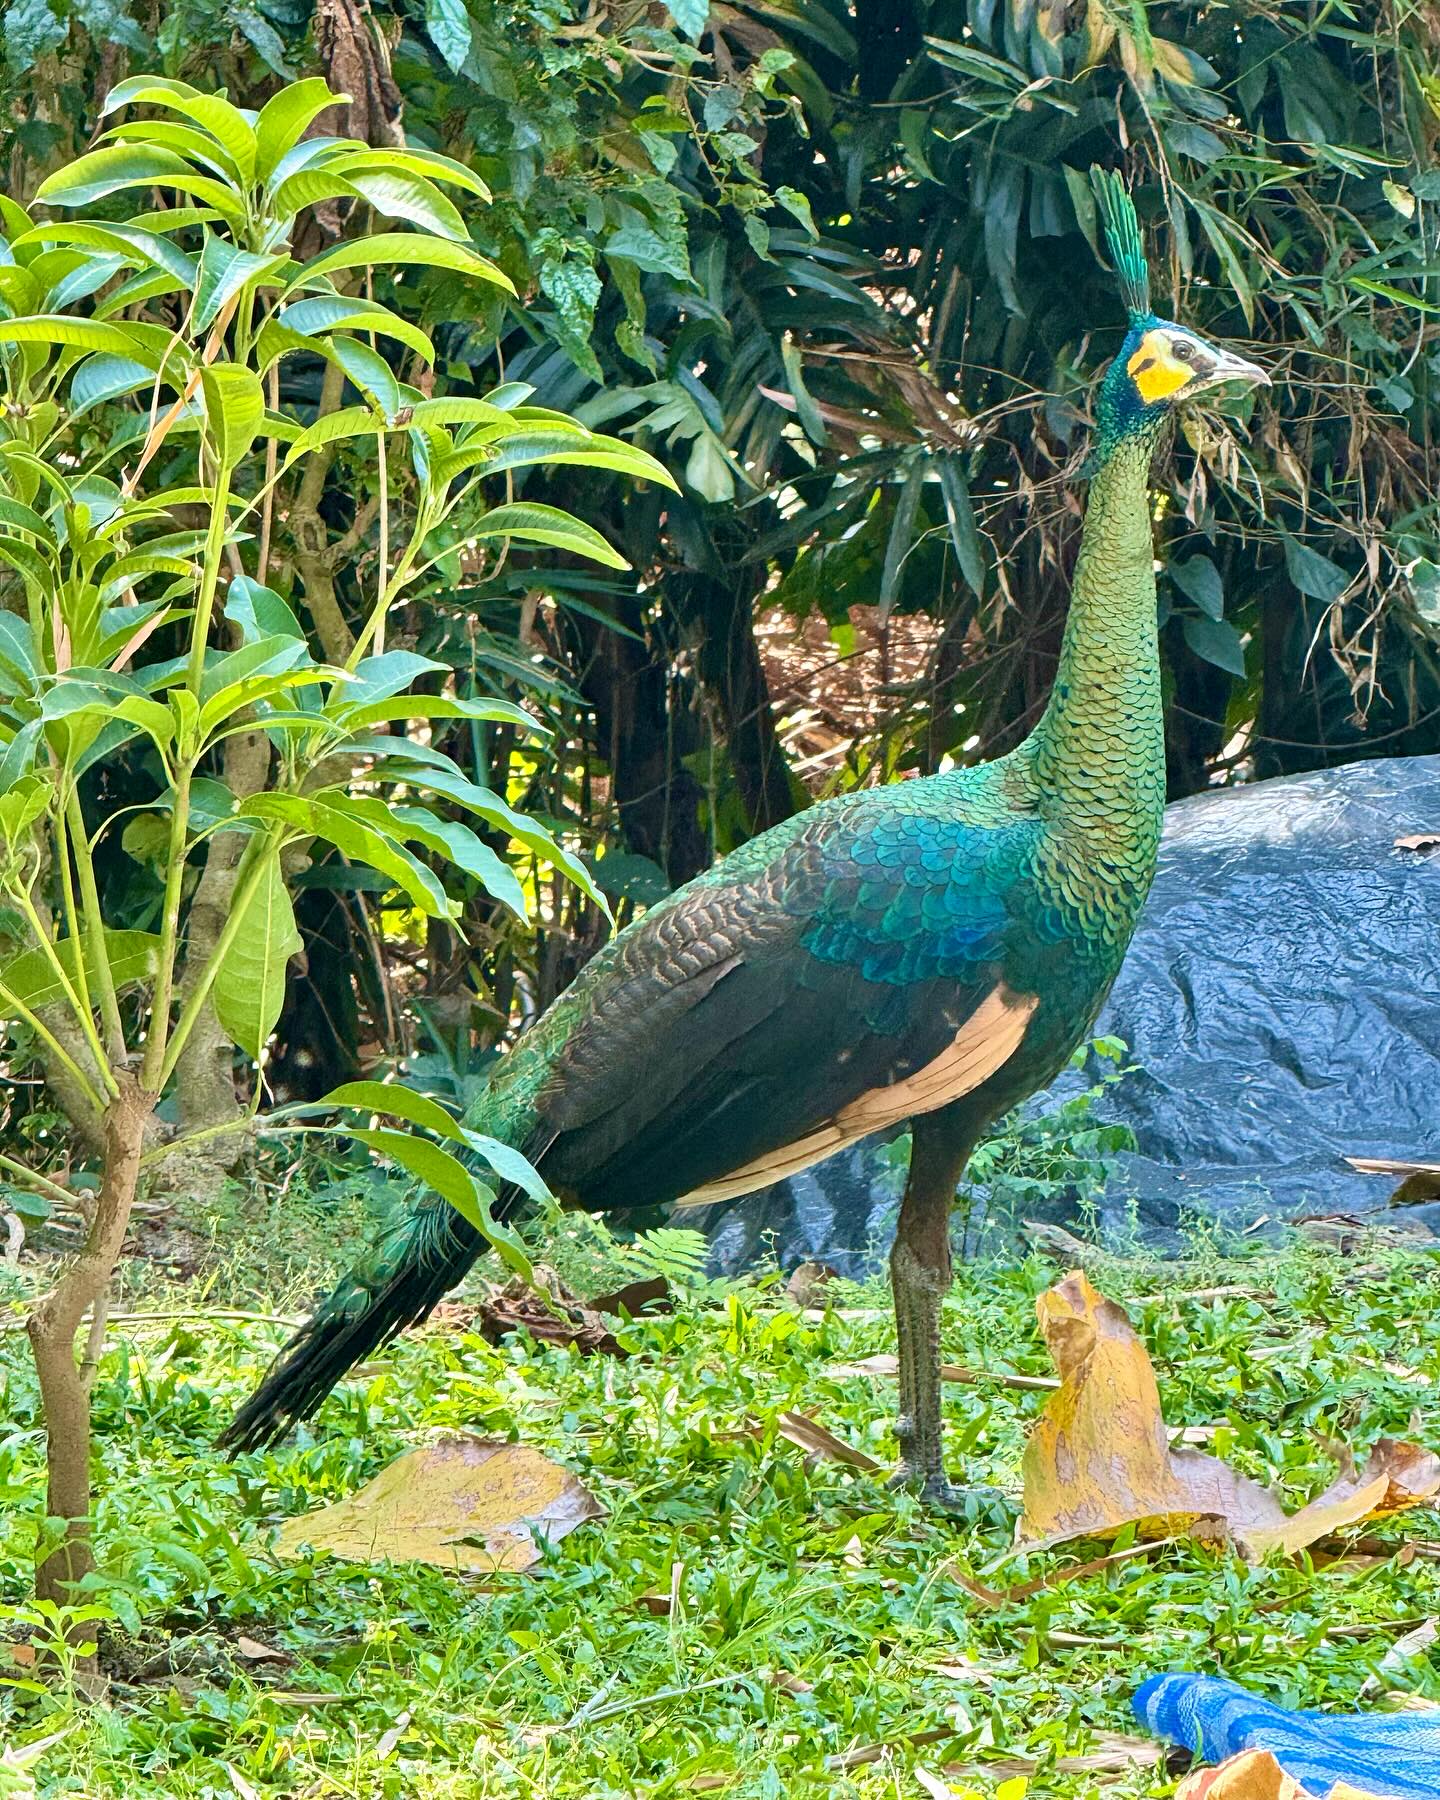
column 429, row 164
column 106, row 377
column 90, row 178
column 285, row 116
column 399, row 1102
column 960, row 516
column 312, row 187
column 325, row 817
column 460, row 845
column 260, row 612
column 224, row 272
column 147, row 344
column 449, row 1178
column 1216, row 641
column 392, row 248
column 432, row 706
column 369, row 371
column 327, row 312
column 133, row 956
column 411, row 197
column 149, row 248
column 214, row 114
column 530, row 522
column 488, row 805
column 234, row 409
column 249, row 986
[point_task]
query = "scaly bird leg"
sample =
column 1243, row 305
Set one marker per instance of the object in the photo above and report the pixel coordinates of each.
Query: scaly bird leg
column 920, row 1278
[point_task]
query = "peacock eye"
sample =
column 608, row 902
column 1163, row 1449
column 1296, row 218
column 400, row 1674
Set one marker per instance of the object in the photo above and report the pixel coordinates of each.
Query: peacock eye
column 1182, row 348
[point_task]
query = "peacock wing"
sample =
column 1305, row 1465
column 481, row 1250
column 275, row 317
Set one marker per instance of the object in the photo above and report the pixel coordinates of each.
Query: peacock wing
column 828, row 980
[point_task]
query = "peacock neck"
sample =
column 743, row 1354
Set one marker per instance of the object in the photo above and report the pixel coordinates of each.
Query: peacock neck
column 1098, row 754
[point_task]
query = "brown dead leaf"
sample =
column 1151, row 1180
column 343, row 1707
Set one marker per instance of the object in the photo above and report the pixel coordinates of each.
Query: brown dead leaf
column 808, row 1282
column 1023, row 1590
column 788, row 1683
column 1398, row 1475
column 651, row 1295
column 465, row 1503
column 1255, row 1775
column 552, row 1317
column 1419, row 841
column 253, row 1651
column 884, row 1366
column 814, row 1439
column 1114, row 1754
column 1099, row 1457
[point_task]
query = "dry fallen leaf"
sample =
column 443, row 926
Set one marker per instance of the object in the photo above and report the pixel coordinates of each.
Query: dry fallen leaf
column 1100, row 1458
column 812, row 1437
column 1114, row 1754
column 253, row 1651
column 464, row 1503
column 885, row 1366
column 1255, row 1775
column 1419, row 841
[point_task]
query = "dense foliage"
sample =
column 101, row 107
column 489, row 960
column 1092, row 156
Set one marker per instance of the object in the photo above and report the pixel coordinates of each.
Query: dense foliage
column 836, row 267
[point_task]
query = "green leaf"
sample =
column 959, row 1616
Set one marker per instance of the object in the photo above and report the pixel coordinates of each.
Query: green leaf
column 211, row 112
column 283, row 119
column 392, row 248
column 488, row 805
column 1199, row 580
column 225, row 272
column 106, row 377
column 1216, row 641
column 439, row 1170
column 149, row 248
column 323, row 313
column 691, row 16
column 358, row 717
column 648, row 250
column 249, row 986
column 260, row 612
column 109, row 171
column 960, row 516
column 533, row 523
column 148, row 344
column 234, row 409
column 133, row 956
column 459, row 844
column 399, row 1102
column 1313, row 573
column 328, row 818
column 403, row 196
column 369, row 371
column 448, row 26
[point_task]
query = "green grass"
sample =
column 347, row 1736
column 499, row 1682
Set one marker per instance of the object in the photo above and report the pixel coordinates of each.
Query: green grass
column 816, row 1612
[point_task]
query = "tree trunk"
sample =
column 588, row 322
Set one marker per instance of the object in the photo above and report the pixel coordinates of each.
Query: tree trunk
column 205, row 1088
column 64, row 1381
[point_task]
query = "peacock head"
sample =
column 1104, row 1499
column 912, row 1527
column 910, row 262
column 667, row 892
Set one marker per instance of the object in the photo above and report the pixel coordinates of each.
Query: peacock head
column 1160, row 363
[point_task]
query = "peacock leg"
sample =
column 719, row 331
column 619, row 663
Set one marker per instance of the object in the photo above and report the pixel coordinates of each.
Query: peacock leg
column 920, row 1273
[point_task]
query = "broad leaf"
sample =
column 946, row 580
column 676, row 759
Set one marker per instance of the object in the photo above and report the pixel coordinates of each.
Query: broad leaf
column 284, row 117
column 249, row 986
column 530, row 522
column 30, row 977
column 234, row 410
column 449, row 1178
column 391, row 248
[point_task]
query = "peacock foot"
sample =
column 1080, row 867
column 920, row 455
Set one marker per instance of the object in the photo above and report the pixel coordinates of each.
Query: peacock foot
column 938, row 1494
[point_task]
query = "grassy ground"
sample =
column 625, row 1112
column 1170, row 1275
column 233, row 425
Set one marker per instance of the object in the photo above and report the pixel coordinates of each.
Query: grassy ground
column 817, row 1628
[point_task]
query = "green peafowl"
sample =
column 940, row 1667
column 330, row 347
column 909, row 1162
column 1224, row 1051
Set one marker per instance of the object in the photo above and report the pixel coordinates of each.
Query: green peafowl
column 932, row 951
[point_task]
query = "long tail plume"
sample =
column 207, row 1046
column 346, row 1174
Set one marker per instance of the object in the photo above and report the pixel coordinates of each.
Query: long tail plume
column 416, row 1262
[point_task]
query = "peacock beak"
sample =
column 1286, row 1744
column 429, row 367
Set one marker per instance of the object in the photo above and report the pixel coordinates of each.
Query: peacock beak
column 1229, row 367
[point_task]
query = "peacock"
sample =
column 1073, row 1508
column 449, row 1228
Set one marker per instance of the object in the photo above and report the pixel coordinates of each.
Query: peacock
column 932, row 951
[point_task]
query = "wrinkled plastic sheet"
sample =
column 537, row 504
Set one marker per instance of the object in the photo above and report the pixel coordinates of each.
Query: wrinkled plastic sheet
column 1281, row 1001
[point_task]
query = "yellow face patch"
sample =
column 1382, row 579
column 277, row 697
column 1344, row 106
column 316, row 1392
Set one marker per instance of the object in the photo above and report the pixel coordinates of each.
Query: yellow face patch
column 1156, row 370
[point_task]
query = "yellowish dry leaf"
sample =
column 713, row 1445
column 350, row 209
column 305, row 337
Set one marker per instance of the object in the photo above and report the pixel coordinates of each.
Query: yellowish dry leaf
column 815, row 1439
column 1100, row 1457
column 464, row 1503
column 1255, row 1775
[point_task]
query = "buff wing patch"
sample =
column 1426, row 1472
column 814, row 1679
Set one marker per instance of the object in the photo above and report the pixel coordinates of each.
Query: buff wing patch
column 984, row 1043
